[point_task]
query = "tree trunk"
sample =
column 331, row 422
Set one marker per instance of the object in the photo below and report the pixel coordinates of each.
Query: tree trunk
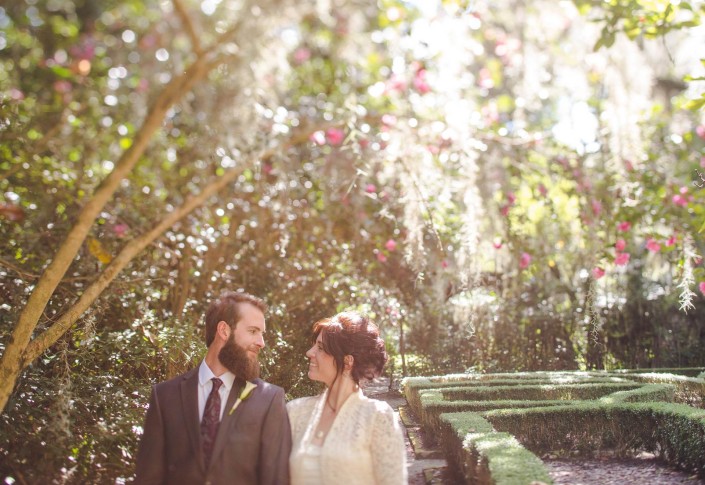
column 14, row 357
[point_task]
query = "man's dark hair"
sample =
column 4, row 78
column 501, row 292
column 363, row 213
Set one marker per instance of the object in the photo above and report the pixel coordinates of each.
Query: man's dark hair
column 226, row 308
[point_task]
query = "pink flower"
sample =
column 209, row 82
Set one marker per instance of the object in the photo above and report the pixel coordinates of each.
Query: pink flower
column 542, row 190
column 629, row 165
column 697, row 261
column 596, row 207
column 389, row 120
column 335, row 136
column 420, row 82
column 62, row 86
column 525, row 260
column 504, row 210
column 683, row 190
column 390, row 245
column 678, row 199
column 652, row 245
column 370, row 188
column 16, row 94
column 624, row 226
column 620, row 245
column 497, row 243
column 598, row 272
column 622, row 259
column 301, row 55
column 120, row 229
column 511, row 198
column 395, row 83
column 701, row 287
column 671, row 241
column 444, row 264
column 318, row 137
column 700, row 131
column 381, row 257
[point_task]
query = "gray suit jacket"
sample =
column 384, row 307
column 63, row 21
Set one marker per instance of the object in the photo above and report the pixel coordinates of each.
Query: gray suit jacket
column 252, row 446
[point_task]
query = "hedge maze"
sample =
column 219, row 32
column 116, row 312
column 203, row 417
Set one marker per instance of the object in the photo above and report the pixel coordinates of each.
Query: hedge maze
column 492, row 428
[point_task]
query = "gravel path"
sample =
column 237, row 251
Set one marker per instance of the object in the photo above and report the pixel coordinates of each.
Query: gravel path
column 641, row 470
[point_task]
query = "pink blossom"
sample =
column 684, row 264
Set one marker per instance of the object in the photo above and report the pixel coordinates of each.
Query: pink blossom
column 504, row 210
column 395, row 83
column 267, row 168
column 381, row 257
column 620, row 245
column 335, row 136
column 318, row 137
column 389, row 120
column 444, row 264
column 542, row 190
column 62, row 86
column 652, row 245
column 511, row 198
column 596, row 207
column 485, row 78
column 16, row 94
column 700, row 131
column 120, row 229
column 678, row 199
column 497, row 243
column 525, row 260
column 420, row 82
column 697, row 261
column 683, row 190
column 671, row 240
column 622, row 259
column 629, row 165
column 598, row 272
column 701, row 287
column 624, row 226
column 301, row 55
column 390, row 245
column 370, row 188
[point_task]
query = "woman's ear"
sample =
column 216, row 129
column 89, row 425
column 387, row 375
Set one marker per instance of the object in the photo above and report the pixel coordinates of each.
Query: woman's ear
column 348, row 362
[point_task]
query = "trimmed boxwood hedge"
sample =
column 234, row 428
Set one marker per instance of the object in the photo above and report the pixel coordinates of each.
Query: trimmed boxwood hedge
column 583, row 412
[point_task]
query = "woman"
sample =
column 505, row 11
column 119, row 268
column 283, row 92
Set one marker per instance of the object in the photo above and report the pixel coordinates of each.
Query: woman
column 341, row 436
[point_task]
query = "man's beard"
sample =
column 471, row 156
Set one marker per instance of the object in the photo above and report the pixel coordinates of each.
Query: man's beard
column 237, row 361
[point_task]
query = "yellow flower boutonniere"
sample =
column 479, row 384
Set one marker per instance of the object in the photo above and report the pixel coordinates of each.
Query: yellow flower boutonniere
column 246, row 392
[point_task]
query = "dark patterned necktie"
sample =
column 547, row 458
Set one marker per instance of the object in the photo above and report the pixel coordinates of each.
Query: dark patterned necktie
column 211, row 420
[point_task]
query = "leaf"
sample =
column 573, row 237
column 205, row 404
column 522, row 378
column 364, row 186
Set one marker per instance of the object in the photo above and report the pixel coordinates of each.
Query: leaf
column 96, row 249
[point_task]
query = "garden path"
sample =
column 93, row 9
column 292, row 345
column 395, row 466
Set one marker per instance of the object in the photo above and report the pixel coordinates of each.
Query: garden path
column 641, row 470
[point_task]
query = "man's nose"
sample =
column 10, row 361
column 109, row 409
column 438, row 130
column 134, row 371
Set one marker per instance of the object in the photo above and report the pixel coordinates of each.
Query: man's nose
column 260, row 341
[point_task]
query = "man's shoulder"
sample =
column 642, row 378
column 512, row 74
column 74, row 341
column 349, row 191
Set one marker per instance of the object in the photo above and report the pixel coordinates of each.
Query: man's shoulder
column 267, row 387
column 175, row 382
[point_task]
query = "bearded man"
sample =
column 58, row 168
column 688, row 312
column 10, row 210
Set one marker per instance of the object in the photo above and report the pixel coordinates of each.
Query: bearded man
column 219, row 423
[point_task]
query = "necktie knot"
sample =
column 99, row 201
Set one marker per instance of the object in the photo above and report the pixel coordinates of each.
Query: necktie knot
column 216, row 384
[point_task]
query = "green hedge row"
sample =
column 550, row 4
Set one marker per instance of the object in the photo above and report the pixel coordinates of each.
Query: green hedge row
column 676, row 432
column 479, row 455
column 560, row 412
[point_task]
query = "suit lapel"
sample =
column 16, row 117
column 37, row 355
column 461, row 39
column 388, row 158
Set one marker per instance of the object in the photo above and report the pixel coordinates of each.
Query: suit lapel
column 189, row 401
column 228, row 420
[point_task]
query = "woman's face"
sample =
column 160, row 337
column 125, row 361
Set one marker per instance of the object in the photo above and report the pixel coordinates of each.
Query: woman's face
column 321, row 365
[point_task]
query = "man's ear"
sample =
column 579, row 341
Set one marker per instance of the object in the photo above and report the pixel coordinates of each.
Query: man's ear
column 348, row 362
column 223, row 330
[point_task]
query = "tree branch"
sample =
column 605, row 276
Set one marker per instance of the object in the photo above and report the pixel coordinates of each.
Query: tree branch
column 188, row 25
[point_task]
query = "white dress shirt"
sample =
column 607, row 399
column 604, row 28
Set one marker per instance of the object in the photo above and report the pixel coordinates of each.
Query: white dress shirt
column 205, row 374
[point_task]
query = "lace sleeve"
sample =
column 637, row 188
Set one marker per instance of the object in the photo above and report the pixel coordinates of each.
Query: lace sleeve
column 388, row 448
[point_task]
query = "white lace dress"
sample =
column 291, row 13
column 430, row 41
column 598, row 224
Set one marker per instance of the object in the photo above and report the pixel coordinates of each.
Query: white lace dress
column 365, row 444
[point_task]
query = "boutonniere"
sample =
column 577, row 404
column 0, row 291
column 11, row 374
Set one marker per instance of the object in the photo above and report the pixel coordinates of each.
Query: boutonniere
column 246, row 392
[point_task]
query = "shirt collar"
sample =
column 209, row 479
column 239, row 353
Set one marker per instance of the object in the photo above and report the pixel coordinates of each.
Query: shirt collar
column 205, row 374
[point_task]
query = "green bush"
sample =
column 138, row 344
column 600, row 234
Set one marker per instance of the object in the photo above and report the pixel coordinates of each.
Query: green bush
column 479, row 455
column 536, row 392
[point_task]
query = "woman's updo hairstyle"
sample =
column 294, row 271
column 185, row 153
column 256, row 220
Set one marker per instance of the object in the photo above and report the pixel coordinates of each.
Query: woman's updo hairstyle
column 352, row 333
